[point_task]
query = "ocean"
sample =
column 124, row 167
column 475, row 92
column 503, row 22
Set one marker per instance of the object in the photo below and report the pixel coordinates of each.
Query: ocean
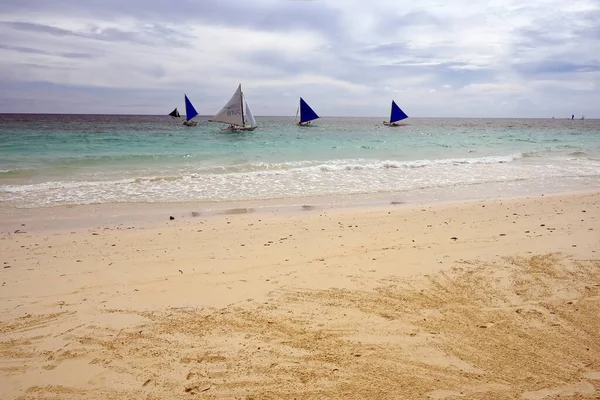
column 50, row 160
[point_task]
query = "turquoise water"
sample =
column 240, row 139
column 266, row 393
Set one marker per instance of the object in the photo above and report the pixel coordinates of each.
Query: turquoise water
column 66, row 159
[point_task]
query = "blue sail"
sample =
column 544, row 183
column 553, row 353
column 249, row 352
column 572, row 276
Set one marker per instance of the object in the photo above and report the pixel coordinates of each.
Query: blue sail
column 190, row 111
column 397, row 113
column 306, row 113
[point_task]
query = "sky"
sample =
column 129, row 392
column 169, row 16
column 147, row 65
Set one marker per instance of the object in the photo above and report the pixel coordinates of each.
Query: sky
column 435, row 58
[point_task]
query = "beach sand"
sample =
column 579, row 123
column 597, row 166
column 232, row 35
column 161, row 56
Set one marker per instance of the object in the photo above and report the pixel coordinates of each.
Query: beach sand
column 480, row 300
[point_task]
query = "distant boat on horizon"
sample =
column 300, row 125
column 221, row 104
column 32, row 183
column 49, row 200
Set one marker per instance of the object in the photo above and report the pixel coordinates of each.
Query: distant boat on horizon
column 237, row 113
column 396, row 115
column 307, row 114
column 190, row 112
column 175, row 114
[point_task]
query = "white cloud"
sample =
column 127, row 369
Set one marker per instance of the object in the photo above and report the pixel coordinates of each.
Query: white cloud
column 346, row 53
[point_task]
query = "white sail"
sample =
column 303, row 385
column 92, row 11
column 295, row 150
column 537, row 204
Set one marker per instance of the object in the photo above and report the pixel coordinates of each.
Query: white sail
column 231, row 113
column 248, row 116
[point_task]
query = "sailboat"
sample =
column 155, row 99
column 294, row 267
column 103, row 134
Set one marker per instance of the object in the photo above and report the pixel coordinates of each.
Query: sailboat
column 190, row 112
column 396, row 116
column 236, row 113
column 306, row 113
column 174, row 113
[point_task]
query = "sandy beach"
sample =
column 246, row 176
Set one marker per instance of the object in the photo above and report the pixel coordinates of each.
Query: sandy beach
column 494, row 299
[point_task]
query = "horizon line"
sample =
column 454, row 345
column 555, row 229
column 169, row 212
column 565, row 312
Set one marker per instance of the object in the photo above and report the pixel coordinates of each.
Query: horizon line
column 282, row 116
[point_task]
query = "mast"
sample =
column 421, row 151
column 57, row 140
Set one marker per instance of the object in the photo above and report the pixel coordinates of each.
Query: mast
column 242, row 105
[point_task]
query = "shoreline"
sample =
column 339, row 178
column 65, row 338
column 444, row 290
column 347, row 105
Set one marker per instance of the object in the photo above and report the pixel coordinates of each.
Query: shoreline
column 61, row 217
column 435, row 183
column 110, row 214
column 412, row 300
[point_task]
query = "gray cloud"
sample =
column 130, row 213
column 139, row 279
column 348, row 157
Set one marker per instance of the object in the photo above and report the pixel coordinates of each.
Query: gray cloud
column 20, row 49
column 555, row 67
column 271, row 15
column 345, row 54
column 147, row 34
column 388, row 48
column 31, row 27
column 29, row 50
column 392, row 23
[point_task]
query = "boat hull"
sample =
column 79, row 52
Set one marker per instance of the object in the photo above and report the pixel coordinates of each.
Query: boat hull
column 394, row 124
column 235, row 128
column 190, row 123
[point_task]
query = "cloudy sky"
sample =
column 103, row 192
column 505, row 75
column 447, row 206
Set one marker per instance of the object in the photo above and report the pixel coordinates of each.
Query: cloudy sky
column 513, row 58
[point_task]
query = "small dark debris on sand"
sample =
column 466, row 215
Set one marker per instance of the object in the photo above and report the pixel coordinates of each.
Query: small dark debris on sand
column 171, row 218
column 307, row 207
